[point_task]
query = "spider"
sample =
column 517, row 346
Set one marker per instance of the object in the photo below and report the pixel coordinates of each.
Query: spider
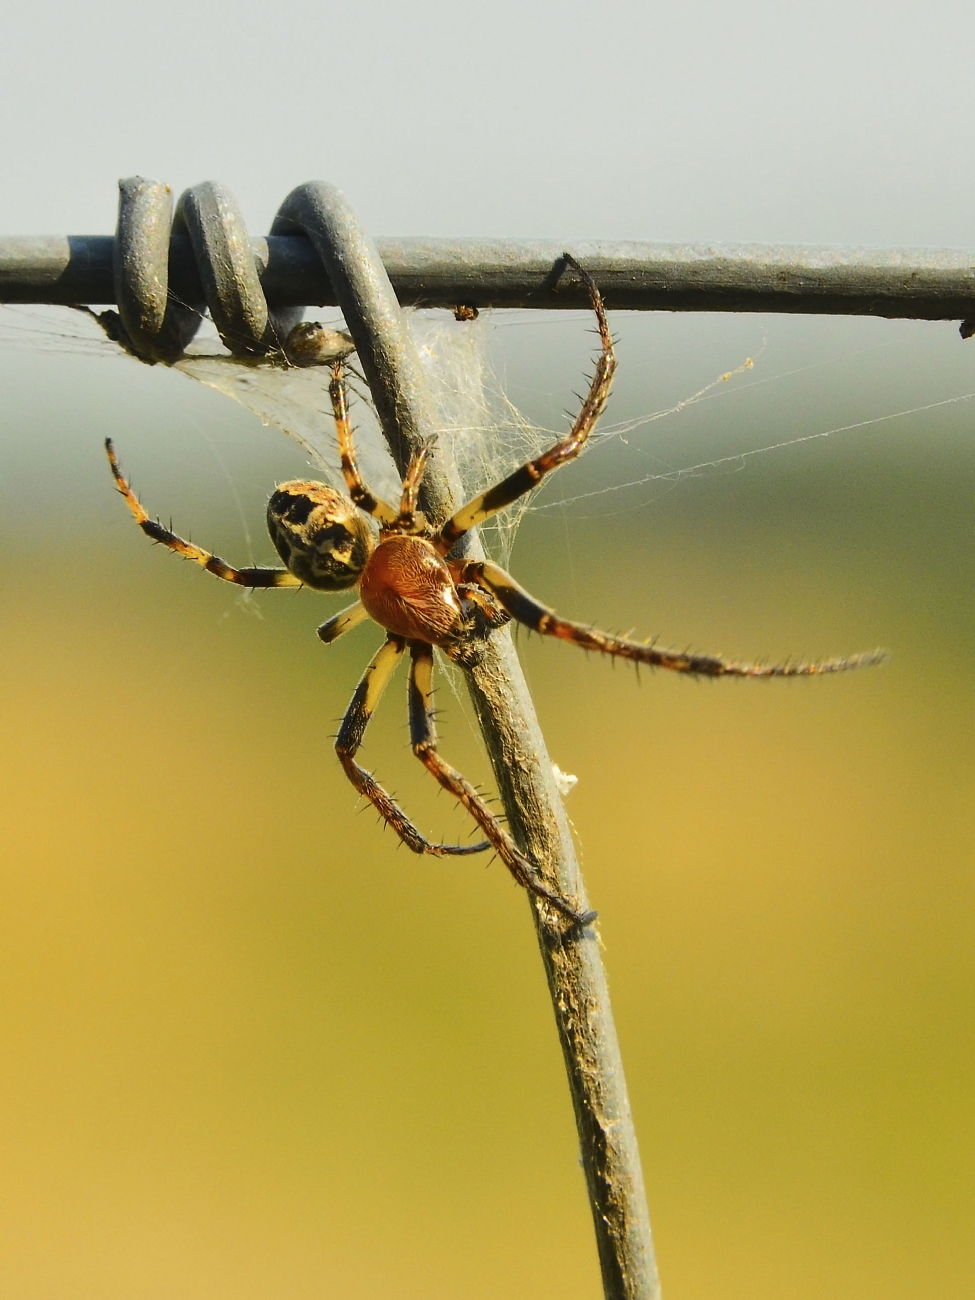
column 409, row 585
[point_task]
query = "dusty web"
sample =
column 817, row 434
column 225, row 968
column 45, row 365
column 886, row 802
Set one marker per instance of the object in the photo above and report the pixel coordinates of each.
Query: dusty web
column 672, row 476
column 44, row 327
column 482, row 434
column 479, row 429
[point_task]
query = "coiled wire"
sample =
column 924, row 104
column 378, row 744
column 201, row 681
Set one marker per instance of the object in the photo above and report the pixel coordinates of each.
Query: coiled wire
column 157, row 319
column 159, row 322
column 158, row 316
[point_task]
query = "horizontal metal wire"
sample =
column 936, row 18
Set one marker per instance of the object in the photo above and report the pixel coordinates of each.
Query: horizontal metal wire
column 932, row 284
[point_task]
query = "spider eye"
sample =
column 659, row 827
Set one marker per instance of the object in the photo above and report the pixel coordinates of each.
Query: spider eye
column 319, row 534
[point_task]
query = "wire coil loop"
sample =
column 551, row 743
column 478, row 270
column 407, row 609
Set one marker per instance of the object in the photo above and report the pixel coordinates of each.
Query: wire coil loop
column 159, row 314
column 160, row 318
column 160, row 308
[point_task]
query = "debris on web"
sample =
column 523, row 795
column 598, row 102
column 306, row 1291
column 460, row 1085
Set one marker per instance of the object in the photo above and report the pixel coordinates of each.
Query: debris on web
column 565, row 781
column 295, row 400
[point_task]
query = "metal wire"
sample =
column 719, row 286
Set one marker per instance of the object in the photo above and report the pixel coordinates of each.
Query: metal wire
column 163, row 269
column 573, row 964
column 160, row 318
column 386, row 353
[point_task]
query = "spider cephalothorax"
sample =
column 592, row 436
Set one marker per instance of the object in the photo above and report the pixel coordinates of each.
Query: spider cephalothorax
column 408, row 585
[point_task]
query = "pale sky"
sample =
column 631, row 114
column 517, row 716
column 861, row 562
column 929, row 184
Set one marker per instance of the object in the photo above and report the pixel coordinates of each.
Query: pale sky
column 829, row 122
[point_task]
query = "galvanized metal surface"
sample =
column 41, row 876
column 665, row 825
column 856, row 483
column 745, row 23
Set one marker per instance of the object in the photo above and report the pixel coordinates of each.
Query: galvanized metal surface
column 573, row 964
column 922, row 284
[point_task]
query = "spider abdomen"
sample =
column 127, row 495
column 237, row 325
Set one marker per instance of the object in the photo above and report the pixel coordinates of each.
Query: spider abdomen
column 319, row 534
column 407, row 589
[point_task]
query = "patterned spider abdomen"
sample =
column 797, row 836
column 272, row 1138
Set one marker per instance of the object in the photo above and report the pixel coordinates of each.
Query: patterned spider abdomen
column 319, row 534
column 407, row 589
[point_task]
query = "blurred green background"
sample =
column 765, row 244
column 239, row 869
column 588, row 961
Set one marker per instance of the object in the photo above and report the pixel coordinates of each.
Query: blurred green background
column 253, row 1049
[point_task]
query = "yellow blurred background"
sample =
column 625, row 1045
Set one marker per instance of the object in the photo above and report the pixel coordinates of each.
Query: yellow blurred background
column 251, row 1049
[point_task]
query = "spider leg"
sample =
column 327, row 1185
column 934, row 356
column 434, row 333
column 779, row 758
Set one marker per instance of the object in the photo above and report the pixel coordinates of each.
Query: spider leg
column 424, row 739
column 358, row 491
column 213, row 564
column 531, row 474
column 367, row 695
column 526, row 609
column 342, row 622
column 411, row 487
column 493, row 614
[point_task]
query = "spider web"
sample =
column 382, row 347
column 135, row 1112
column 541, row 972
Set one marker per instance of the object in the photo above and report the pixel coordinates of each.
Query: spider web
column 481, row 435
column 480, row 431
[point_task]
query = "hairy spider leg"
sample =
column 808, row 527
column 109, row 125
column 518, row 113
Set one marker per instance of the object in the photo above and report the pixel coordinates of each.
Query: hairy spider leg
column 411, row 487
column 258, row 577
column 531, row 474
column 358, row 491
column 526, row 609
column 424, row 740
column 367, row 696
column 344, row 621
column 493, row 614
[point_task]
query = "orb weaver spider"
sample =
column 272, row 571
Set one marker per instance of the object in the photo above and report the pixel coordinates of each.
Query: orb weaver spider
column 409, row 585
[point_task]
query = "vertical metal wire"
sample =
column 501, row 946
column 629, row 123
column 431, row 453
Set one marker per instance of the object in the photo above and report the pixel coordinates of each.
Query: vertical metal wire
column 158, row 318
column 374, row 318
column 573, row 965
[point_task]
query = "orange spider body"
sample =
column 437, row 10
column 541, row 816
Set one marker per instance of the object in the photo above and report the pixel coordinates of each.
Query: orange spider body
column 406, row 588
